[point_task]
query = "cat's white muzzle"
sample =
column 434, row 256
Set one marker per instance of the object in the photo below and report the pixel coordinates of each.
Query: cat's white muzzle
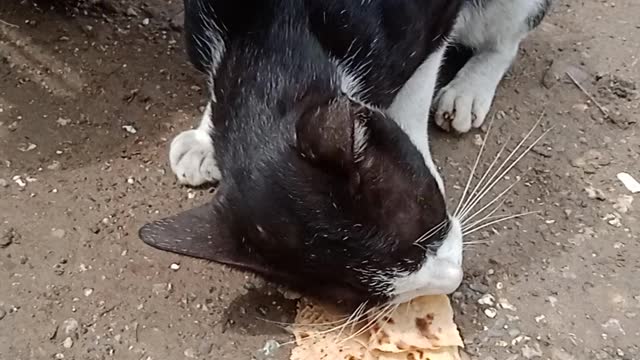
column 439, row 274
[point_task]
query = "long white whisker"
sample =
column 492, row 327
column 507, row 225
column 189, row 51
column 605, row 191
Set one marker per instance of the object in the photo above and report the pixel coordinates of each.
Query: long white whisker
column 484, row 176
column 489, row 204
column 477, row 242
column 352, row 319
column 386, row 321
column 489, row 215
column 383, row 312
column 481, row 221
column 471, row 231
column 486, row 186
column 499, row 178
column 473, row 169
column 430, row 232
column 330, row 330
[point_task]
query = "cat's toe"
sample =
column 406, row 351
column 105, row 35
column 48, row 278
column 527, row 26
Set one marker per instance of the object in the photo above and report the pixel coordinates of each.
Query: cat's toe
column 461, row 107
column 192, row 158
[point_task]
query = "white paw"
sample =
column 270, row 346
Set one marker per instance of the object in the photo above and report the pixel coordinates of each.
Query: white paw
column 192, row 158
column 463, row 104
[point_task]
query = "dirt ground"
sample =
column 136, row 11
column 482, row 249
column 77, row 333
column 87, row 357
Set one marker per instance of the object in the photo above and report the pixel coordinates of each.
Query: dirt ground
column 90, row 96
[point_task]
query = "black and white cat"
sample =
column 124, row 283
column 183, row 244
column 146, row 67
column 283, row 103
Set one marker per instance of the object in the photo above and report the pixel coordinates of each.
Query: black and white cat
column 316, row 130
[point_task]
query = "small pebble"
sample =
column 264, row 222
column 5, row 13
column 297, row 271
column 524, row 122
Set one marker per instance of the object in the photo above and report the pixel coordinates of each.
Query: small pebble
column 190, row 353
column 55, row 165
column 67, row 343
column 9, row 237
column 269, row 348
column 477, row 140
column 87, row 291
column 480, row 288
column 4, row 183
column 18, row 180
column 70, row 326
column 63, row 121
column 145, row 21
column 205, row 348
column 130, row 129
column 58, row 233
column 175, row 267
column 162, row 289
column 531, row 352
column 613, row 327
column 491, row 313
column 131, row 12
column 593, row 193
column 505, row 304
column 487, row 299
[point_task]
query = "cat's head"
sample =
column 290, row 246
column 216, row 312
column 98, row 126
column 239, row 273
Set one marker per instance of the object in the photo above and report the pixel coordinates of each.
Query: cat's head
column 346, row 209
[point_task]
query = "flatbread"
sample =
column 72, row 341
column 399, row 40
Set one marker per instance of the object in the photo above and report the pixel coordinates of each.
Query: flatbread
column 422, row 329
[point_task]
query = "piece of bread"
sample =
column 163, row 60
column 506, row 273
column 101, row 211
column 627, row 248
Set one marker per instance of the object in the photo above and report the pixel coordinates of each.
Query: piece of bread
column 422, row 329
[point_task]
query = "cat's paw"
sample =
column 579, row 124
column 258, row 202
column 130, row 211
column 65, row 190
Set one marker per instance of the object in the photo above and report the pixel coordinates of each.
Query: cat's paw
column 463, row 105
column 192, row 158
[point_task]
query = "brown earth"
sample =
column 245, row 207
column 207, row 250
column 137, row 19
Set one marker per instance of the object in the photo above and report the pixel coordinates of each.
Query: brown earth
column 75, row 185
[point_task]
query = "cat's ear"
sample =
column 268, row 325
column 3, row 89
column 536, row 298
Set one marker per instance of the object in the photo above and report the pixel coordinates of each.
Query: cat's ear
column 204, row 233
column 333, row 133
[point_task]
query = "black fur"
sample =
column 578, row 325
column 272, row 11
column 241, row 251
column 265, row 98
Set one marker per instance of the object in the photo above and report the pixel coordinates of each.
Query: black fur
column 295, row 193
column 300, row 200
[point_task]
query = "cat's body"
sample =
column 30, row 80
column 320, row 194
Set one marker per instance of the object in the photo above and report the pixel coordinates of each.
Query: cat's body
column 319, row 122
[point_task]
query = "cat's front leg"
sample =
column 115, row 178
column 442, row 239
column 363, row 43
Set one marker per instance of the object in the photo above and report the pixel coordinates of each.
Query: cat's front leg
column 464, row 103
column 192, row 155
column 493, row 31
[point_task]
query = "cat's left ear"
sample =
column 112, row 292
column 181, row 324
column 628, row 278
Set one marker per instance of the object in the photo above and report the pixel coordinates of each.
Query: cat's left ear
column 204, row 233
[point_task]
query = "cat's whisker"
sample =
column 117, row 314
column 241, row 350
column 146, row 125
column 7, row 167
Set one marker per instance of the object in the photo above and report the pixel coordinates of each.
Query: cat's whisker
column 473, row 170
column 499, row 197
column 489, row 215
column 434, row 229
column 481, row 221
column 495, row 179
column 486, row 172
column 343, row 322
column 357, row 319
column 477, row 242
column 481, row 183
column 431, row 231
column 352, row 320
column 505, row 218
column 386, row 321
column 288, row 324
column 385, row 311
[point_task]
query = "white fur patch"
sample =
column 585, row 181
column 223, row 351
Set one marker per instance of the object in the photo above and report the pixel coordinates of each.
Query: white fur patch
column 494, row 30
column 465, row 102
column 360, row 137
column 439, row 274
column 410, row 108
column 211, row 45
column 192, row 154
